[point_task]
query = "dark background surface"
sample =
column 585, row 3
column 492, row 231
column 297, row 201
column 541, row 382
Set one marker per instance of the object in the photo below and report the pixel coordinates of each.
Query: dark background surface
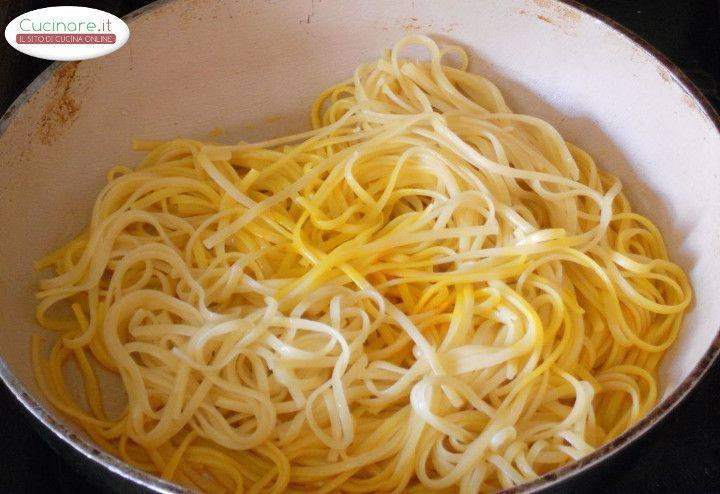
column 681, row 454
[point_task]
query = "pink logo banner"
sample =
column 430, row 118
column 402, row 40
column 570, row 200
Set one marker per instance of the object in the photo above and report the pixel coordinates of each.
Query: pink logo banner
column 65, row 39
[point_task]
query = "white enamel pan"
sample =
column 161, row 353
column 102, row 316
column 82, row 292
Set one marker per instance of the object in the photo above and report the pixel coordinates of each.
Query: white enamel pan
column 253, row 67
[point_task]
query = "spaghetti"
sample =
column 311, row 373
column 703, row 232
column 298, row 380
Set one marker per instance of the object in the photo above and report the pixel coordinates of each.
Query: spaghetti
column 425, row 292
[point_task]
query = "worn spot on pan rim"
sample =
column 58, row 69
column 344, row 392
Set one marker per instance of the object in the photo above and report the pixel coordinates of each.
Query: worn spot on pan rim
column 544, row 19
column 662, row 71
column 565, row 13
column 412, row 24
column 63, row 107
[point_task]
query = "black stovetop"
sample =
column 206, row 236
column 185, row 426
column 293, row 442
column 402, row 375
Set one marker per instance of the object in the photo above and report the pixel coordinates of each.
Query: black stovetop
column 681, row 454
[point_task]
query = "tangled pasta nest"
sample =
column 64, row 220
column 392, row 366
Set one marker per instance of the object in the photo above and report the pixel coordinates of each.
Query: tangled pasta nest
column 424, row 292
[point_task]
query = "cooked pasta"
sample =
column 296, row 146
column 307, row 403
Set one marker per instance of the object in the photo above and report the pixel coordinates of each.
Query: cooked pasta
column 425, row 292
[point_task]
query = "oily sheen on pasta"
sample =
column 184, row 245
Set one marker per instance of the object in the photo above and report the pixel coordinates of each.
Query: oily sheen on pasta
column 425, row 292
